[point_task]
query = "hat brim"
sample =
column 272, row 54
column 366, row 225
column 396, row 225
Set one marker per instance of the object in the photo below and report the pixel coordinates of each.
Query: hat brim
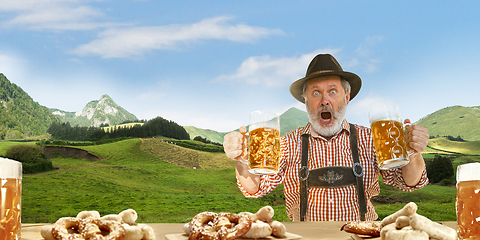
column 296, row 89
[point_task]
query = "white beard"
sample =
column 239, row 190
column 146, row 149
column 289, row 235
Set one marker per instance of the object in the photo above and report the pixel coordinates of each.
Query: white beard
column 327, row 131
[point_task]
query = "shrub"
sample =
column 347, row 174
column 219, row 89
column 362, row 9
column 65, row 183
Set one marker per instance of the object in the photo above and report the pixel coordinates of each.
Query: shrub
column 439, row 168
column 31, row 156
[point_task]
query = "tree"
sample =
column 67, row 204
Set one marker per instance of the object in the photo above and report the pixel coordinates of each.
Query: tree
column 31, row 156
column 439, row 168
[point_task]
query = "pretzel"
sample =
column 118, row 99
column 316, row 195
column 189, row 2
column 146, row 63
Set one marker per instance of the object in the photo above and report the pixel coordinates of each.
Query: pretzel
column 241, row 225
column 371, row 228
column 213, row 226
column 98, row 229
column 67, row 228
column 199, row 226
column 88, row 225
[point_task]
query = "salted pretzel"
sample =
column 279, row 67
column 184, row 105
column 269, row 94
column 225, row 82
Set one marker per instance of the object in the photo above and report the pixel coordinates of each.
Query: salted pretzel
column 100, row 229
column 371, row 228
column 70, row 228
column 67, row 228
column 241, row 225
column 222, row 226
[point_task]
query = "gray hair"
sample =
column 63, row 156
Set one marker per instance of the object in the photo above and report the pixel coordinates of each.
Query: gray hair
column 345, row 84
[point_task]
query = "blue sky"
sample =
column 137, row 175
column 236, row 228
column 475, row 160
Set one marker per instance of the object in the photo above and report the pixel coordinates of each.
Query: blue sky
column 209, row 64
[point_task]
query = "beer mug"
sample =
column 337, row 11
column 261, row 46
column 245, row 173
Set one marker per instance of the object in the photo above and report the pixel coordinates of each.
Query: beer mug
column 468, row 199
column 10, row 198
column 263, row 143
column 388, row 137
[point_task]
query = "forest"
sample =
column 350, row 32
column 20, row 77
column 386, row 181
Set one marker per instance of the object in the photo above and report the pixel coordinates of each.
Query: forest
column 20, row 116
column 155, row 127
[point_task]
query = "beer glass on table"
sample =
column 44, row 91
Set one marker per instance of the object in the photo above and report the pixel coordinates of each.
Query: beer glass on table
column 468, row 201
column 388, row 137
column 10, row 199
column 263, row 143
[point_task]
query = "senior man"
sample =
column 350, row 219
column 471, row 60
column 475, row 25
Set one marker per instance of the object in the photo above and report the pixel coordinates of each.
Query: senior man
column 324, row 148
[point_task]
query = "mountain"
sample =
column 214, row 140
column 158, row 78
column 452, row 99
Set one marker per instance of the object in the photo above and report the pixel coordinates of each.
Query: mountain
column 291, row 119
column 454, row 121
column 20, row 116
column 104, row 111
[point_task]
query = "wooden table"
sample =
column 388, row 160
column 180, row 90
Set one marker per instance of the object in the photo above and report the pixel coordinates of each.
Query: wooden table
column 308, row 230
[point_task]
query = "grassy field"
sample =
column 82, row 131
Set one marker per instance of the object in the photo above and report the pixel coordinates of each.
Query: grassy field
column 167, row 183
column 129, row 177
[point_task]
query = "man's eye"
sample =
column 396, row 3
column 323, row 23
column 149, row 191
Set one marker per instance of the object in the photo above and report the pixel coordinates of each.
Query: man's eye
column 333, row 91
column 316, row 93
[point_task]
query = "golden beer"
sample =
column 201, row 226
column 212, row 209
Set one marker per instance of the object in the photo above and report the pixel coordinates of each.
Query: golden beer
column 389, row 142
column 468, row 209
column 264, row 150
column 468, row 201
column 10, row 197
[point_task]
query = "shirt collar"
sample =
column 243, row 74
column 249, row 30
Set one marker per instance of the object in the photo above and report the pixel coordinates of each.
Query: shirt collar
column 309, row 130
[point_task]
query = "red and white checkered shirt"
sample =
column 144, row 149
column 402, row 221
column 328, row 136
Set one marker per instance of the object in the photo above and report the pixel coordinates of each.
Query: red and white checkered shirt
column 330, row 204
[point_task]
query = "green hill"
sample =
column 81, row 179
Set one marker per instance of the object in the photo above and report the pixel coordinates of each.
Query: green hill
column 454, row 121
column 211, row 135
column 465, row 148
column 20, row 116
column 291, row 119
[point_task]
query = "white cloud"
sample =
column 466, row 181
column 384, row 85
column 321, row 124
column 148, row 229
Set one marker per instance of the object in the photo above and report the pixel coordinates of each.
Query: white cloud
column 272, row 72
column 365, row 57
column 135, row 41
column 53, row 15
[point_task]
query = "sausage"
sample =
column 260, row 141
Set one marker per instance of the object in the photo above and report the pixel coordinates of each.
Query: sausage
column 408, row 210
column 433, row 229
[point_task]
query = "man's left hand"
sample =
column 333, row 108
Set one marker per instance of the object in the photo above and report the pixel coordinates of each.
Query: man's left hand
column 416, row 137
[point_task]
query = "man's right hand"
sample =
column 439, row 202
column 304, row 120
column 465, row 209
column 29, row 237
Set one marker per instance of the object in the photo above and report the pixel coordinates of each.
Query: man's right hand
column 235, row 144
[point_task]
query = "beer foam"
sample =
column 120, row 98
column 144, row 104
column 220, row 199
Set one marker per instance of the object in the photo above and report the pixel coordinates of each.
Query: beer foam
column 10, row 168
column 264, row 121
column 468, row 172
column 384, row 112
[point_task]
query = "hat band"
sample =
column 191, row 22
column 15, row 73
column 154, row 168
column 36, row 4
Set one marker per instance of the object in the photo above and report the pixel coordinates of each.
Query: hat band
column 322, row 71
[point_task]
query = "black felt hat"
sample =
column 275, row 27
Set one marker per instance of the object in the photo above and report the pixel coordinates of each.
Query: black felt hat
column 322, row 65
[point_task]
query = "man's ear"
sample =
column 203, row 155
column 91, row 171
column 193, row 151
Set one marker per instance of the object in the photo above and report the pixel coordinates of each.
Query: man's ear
column 347, row 98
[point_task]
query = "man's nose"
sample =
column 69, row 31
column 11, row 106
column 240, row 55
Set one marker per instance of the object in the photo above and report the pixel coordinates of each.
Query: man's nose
column 325, row 101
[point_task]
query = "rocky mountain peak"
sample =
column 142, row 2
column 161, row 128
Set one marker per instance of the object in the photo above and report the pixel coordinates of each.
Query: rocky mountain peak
column 97, row 112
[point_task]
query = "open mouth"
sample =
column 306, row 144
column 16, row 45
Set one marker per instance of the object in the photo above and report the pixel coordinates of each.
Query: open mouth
column 326, row 117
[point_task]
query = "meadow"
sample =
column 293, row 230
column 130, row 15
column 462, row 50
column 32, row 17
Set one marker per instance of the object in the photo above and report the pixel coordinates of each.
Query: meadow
column 164, row 182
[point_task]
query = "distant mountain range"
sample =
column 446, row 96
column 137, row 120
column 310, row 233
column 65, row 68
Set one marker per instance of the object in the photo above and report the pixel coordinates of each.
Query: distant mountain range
column 21, row 117
column 98, row 112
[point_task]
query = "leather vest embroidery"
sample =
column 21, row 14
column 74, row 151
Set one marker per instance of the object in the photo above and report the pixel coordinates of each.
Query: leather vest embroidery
column 331, row 177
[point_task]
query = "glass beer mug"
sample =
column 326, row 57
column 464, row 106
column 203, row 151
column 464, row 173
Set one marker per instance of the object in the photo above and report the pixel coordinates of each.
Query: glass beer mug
column 388, row 137
column 468, row 201
column 10, row 198
column 263, row 143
